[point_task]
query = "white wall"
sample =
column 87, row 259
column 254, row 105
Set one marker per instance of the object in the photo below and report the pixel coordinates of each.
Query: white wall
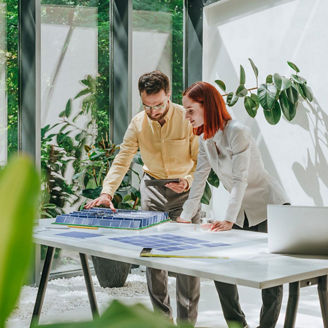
column 272, row 32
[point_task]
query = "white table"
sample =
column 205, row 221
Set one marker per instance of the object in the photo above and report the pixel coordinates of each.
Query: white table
column 249, row 263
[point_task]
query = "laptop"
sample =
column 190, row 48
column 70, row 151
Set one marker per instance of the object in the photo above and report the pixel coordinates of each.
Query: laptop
column 298, row 230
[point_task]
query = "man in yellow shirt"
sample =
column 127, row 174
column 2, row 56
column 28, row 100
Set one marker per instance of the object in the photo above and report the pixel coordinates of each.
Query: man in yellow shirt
column 169, row 151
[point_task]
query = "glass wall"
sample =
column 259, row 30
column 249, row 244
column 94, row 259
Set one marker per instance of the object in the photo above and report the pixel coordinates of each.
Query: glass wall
column 74, row 97
column 74, row 106
column 157, row 44
column 8, row 79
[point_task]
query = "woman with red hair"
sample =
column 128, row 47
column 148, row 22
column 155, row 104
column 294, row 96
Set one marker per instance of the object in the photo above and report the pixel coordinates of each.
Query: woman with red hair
column 227, row 147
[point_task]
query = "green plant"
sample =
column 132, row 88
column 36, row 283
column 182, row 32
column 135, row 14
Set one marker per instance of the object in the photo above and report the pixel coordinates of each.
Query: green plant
column 119, row 315
column 94, row 169
column 18, row 212
column 211, row 180
column 66, row 147
column 278, row 94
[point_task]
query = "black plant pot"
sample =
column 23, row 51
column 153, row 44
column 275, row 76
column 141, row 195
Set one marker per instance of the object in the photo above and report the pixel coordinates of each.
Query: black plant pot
column 110, row 273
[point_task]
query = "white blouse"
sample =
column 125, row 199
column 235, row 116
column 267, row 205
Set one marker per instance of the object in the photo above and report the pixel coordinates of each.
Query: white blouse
column 235, row 158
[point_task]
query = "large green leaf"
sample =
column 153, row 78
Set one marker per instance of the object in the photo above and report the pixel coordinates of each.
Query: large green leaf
column 251, row 105
column 267, row 95
column 277, row 81
column 255, row 70
column 213, row 179
column 207, row 195
column 287, row 107
column 273, row 115
column 119, row 315
column 242, row 76
column 286, row 83
column 19, row 193
column 292, row 94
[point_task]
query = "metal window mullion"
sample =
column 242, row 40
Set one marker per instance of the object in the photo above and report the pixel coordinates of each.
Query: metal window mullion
column 29, row 79
column 193, row 41
column 121, row 49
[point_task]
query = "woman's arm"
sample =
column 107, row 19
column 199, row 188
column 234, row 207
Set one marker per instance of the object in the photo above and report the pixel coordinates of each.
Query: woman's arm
column 203, row 169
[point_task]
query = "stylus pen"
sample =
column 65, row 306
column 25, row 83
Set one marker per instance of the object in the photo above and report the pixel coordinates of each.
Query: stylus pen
column 83, row 227
column 184, row 256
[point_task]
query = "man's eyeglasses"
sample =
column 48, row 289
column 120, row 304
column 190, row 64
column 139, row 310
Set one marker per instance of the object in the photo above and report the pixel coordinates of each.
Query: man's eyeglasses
column 157, row 107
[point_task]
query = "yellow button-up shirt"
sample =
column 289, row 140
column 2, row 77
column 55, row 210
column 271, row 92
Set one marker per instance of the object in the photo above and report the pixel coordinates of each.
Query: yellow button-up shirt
column 168, row 151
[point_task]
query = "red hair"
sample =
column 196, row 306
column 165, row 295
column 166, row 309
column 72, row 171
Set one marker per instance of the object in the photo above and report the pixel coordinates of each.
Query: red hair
column 215, row 110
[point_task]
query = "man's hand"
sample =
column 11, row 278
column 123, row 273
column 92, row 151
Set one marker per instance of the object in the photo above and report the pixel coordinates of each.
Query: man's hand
column 103, row 199
column 221, row 225
column 178, row 187
column 179, row 220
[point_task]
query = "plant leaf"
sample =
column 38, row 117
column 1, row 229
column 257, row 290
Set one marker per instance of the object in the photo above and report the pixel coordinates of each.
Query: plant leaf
column 293, row 66
column 241, row 91
column 213, row 179
column 221, row 84
column 68, row 108
column 287, row 107
column 292, row 94
column 206, row 195
column 298, row 79
column 82, row 93
column 277, row 81
column 268, row 79
column 91, row 193
column 18, row 213
column 242, row 76
column 233, row 101
column 255, row 70
column 273, row 115
column 251, row 106
column 286, row 83
column 267, row 95
column 307, row 91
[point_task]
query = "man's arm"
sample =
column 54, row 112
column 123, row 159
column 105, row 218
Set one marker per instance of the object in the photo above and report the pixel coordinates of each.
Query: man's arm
column 119, row 167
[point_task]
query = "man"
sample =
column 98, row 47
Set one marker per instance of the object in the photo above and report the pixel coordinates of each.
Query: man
column 169, row 150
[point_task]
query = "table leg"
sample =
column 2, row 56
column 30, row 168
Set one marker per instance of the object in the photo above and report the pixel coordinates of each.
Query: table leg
column 89, row 284
column 323, row 297
column 294, row 291
column 42, row 286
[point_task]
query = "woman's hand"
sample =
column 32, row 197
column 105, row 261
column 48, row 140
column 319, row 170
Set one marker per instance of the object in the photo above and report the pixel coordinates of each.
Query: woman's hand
column 221, row 225
column 178, row 187
column 179, row 220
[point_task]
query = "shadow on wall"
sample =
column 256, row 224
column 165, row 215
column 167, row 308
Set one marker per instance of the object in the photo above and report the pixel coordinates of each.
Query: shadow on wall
column 314, row 120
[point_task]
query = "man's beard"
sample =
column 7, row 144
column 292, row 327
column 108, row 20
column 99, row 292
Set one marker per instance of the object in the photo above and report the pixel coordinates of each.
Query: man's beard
column 160, row 117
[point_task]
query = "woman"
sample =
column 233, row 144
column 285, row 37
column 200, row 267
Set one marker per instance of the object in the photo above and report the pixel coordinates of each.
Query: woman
column 227, row 147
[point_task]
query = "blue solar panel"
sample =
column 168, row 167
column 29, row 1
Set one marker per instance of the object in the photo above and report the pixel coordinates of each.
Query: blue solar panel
column 121, row 219
column 167, row 242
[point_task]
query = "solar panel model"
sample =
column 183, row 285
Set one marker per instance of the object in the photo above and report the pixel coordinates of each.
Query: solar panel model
column 106, row 218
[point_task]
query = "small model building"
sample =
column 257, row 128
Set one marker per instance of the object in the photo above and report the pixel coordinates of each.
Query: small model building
column 106, row 218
